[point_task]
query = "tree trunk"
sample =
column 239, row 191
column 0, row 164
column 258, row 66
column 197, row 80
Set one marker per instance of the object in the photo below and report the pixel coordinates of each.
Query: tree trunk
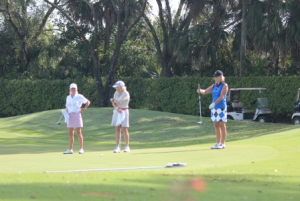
column 92, row 48
column 124, row 27
column 25, row 56
column 243, row 40
column 110, row 79
column 166, row 66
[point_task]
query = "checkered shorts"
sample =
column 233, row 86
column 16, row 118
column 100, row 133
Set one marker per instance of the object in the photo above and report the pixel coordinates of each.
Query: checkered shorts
column 219, row 114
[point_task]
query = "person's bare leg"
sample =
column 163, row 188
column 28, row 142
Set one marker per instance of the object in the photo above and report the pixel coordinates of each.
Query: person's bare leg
column 80, row 137
column 71, row 138
column 217, row 132
column 223, row 132
column 126, row 135
column 117, row 128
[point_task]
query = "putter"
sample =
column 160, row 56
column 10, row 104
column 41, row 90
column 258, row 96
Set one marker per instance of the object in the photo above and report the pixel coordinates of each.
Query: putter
column 200, row 122
column 58, row 123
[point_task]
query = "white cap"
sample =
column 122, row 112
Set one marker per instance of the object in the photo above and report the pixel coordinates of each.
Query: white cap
column 73, row 85
column 119, row 84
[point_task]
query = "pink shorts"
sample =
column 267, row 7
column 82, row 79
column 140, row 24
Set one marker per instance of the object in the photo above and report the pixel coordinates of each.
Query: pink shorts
column 75, row 120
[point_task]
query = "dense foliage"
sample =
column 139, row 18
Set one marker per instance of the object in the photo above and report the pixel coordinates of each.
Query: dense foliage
column 176, row 95
column 53, row 40
column 105, row 39
column 26, row 96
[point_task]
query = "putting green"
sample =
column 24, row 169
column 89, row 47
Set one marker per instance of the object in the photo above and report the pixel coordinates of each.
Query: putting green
column 36, row 158
column 260, row 161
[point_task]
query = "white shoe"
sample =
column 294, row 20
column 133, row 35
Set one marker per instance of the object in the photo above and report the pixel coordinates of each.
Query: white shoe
column 127, row 149
column 117, row 150
column 69, row 151
column 221, row 146
column 215, row 146
column 81, row 151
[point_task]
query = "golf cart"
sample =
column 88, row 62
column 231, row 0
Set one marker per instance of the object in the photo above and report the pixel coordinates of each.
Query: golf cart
column 296, row 115
column 236, row 111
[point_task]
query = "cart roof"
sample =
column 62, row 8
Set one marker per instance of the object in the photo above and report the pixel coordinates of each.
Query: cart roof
column 246, row 89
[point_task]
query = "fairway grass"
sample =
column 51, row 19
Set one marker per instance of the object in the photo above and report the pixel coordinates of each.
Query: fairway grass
column 260, row 162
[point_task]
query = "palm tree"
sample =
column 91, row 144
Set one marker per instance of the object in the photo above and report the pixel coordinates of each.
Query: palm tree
column 124, row 14
column 291, row 33
column 243, row 38
column 201, row 42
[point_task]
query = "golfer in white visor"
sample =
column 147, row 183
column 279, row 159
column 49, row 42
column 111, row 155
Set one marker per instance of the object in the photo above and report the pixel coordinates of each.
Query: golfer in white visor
column 120, row 118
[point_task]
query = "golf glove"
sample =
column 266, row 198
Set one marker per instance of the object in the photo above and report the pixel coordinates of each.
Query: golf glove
column 211, row 106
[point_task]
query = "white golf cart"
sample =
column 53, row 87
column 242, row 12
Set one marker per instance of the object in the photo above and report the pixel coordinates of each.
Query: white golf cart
column 296, row 115
column 236, row 111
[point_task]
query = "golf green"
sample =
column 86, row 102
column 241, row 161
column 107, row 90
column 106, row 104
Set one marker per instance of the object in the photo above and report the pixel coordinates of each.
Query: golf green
column 260, row 161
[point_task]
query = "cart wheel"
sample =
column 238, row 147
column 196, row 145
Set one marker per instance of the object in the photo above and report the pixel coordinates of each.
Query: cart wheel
column 229, row 117
column 262, row 119
column 296, row 120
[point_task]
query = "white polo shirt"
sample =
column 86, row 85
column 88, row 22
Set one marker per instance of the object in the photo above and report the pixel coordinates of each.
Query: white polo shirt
column 74, row 104
column 123, row 98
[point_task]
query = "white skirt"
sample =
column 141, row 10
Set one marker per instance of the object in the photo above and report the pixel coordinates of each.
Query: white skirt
column 124, row 122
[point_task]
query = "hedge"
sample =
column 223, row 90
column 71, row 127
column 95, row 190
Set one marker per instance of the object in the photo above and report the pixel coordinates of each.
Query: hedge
column 26, row 96
column 176, row 95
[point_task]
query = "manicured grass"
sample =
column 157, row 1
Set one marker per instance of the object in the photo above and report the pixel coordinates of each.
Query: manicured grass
column 260, row 162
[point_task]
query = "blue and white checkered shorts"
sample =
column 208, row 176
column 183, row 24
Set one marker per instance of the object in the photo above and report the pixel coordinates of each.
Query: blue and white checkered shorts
column 219, row 114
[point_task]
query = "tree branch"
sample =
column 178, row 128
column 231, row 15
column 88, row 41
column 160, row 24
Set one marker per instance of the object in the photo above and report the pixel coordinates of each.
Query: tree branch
column 12, row 22
column 162, row 20
column 177, row 16
column 114, row 3
column 156, row 41
column 135, row 21
column 45, row 19
column 84, row 40
column 169, row 16
column 126, row 11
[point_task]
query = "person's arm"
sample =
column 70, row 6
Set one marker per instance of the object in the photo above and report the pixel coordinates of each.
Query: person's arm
column 112, row 100
column 66, row 104
column 121, row 99
column 87, row 104
column 205, row 91
column 223, row 94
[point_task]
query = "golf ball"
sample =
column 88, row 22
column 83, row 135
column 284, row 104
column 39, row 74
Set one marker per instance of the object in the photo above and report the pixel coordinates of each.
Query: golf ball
column 101, row 155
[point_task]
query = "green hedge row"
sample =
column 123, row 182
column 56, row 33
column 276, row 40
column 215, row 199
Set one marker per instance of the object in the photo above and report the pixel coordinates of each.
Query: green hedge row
column 176, row 95
column 26, row 96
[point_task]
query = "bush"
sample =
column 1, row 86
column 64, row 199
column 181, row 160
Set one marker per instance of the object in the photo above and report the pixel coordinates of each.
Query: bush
column 26, row 96
column 176, row 95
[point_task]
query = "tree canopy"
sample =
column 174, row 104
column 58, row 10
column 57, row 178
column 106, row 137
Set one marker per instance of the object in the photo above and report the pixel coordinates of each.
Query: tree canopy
column 105, row 39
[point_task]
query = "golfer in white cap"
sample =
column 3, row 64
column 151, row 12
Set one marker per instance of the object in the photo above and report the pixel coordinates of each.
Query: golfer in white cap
column 74, row 102
column 120, row 116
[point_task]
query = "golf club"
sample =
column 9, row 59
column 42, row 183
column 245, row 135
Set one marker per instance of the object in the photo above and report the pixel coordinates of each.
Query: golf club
column 58, row 123
column 200, row 122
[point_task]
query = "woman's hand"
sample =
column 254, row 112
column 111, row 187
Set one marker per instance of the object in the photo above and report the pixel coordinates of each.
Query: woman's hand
column 200, row 91
column 86, row 106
